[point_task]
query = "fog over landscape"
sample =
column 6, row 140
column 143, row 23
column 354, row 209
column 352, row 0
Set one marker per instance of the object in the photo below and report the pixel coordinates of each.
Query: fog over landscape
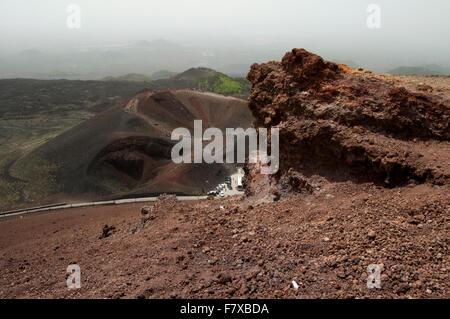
column 121, row 37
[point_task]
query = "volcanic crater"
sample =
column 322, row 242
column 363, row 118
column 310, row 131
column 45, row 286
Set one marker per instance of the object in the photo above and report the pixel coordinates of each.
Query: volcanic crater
column 125, row 151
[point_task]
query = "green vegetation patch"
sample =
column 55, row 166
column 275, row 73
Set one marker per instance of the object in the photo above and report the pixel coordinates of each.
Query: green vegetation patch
column 222, row 84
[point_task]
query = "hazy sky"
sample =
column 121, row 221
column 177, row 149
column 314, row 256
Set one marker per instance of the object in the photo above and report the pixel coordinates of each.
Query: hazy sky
column 414, row 27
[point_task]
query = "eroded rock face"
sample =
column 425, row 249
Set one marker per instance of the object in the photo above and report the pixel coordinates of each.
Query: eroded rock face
column 342, row 123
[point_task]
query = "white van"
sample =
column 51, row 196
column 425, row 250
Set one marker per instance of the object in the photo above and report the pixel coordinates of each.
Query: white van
column 240, row 187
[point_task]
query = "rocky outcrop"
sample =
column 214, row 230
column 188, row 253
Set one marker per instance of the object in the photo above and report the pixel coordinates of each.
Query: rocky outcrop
column 340, row 123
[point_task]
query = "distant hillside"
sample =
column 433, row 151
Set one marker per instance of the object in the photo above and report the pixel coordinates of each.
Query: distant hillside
column 163, row 74
column 134, row 77
column 203, row 79
column 222, row 84
column 96, row 61
column 419, row 70
column 207, row 80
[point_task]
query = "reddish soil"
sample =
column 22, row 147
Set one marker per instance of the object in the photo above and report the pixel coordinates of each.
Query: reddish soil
column 323, row 241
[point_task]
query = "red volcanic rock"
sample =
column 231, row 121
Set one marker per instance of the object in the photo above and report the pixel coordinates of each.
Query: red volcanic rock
column 340, row 123
column 106, row 231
